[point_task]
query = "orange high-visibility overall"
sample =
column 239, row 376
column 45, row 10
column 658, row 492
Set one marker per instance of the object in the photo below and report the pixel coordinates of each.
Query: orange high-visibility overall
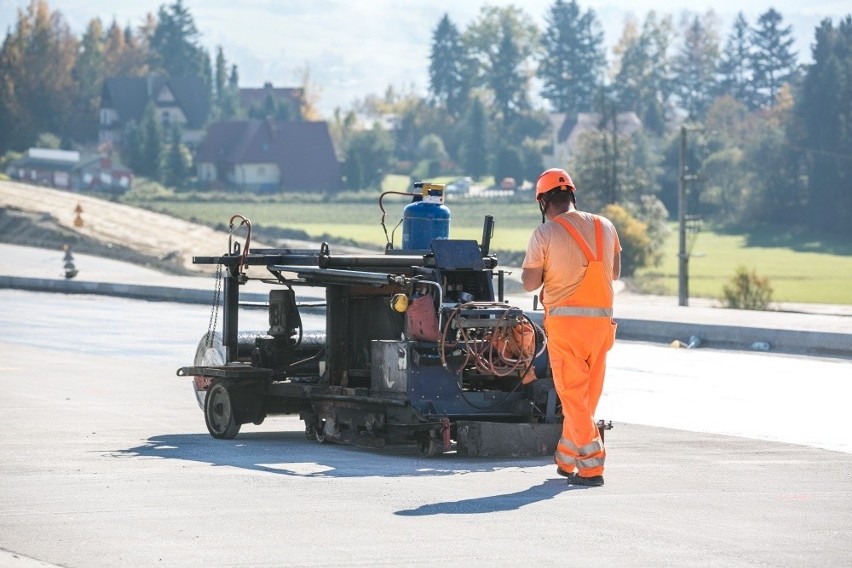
column 580, row 331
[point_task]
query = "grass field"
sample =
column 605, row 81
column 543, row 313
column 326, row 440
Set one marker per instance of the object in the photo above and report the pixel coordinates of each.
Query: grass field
column 798, row 270
column 361, row 221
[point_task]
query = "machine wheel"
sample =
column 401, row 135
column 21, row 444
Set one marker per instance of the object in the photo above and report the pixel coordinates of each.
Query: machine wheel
column 219, row 411
column 210, row 352
column 310, row 431
column 428, row 446
column 319, row 432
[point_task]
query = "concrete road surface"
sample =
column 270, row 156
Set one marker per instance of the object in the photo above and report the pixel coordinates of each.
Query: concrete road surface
column 106, row 462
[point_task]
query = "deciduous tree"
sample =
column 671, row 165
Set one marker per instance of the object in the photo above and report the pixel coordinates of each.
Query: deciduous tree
column 502, row 42
column 36, row 81
column 643, row 80
column 368, row 155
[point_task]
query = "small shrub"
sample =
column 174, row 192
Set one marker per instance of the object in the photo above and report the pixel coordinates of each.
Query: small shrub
column 8, row 158
column 633, row 234
column 747, row 291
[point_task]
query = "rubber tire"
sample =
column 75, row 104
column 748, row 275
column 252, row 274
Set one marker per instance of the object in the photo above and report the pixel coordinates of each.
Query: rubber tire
column 319, row 432
column 209, row 353
column 428, row 447
column 219, row 411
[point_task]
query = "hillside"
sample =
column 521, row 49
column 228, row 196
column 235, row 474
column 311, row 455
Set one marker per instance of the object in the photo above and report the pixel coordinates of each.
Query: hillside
column 43, row 217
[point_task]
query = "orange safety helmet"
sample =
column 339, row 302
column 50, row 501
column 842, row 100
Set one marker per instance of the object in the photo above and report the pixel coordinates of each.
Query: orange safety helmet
column 554, row 178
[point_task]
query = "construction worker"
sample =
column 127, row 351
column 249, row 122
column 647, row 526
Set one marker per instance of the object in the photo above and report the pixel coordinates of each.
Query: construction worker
column 574, row 256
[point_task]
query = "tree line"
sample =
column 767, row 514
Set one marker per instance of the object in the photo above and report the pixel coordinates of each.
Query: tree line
column 51, row 83
column 768, row 138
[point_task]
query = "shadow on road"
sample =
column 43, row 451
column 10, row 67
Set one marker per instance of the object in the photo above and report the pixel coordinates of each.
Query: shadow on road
column 289, row 453
column 494, row 503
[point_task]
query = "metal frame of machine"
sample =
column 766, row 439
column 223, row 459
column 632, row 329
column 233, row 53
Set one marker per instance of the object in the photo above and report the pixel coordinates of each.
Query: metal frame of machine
column 416, row 349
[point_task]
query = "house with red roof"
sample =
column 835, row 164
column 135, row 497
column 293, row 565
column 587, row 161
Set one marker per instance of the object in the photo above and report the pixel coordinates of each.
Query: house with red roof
column 269, row 155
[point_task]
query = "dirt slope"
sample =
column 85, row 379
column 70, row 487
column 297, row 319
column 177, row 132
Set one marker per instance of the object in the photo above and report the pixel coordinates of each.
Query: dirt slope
column 43, row 217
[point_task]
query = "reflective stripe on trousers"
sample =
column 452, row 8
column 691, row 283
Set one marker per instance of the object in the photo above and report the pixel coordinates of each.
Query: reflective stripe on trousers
column 589, row 459
column 580, row 312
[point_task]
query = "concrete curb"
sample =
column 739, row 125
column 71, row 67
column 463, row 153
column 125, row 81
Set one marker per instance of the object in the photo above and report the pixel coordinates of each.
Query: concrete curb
column 133, row 291
column 734, row 337
column 789, row 341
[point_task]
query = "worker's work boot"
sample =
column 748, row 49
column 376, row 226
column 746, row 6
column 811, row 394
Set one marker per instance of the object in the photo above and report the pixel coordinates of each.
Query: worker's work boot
column 562, row 472
column 593, row 481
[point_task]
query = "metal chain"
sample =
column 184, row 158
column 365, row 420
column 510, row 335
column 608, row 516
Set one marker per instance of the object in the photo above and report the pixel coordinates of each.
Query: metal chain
column 214, row 311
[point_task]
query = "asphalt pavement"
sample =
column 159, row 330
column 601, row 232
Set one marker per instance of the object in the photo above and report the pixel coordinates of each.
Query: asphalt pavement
column 106, row 461
column 806, row 329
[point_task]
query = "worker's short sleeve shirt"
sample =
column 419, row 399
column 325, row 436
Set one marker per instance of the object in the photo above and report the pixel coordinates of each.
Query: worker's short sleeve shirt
column 554, row 250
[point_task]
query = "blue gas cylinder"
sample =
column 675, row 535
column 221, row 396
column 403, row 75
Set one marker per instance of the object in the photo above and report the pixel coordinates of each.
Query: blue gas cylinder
column 426, row 219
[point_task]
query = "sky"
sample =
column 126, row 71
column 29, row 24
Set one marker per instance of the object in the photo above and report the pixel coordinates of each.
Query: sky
column 354, row 48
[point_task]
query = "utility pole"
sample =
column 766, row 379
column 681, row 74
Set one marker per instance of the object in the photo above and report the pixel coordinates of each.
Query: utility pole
column 683, row 259
column 683, row 254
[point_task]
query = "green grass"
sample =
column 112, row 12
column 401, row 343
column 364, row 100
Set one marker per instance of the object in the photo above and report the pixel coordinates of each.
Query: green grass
column 799, row 270
column 796, row 269
column 360, row 221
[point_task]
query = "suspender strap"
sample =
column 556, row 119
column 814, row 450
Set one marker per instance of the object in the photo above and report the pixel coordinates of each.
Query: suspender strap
column 580, row 241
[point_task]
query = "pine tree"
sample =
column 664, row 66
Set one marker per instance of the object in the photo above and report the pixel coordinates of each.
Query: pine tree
column 152, row 148
column 507, row 78
column 772, row 62
column 694, row 67
column 175, row 49
column 231, row 103
column 474, row 149
column 825, row 110
column 734, row 66
column 449, row 69
column 133, row 147
column 178, row 161
column 571, row 66
column 220, row 83
column 89, row 72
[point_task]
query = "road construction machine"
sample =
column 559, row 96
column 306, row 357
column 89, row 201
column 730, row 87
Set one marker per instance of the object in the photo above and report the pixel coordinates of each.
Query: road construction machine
column 418, row 348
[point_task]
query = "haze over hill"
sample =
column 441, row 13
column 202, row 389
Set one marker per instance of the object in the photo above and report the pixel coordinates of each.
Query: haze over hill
column 354, row 49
